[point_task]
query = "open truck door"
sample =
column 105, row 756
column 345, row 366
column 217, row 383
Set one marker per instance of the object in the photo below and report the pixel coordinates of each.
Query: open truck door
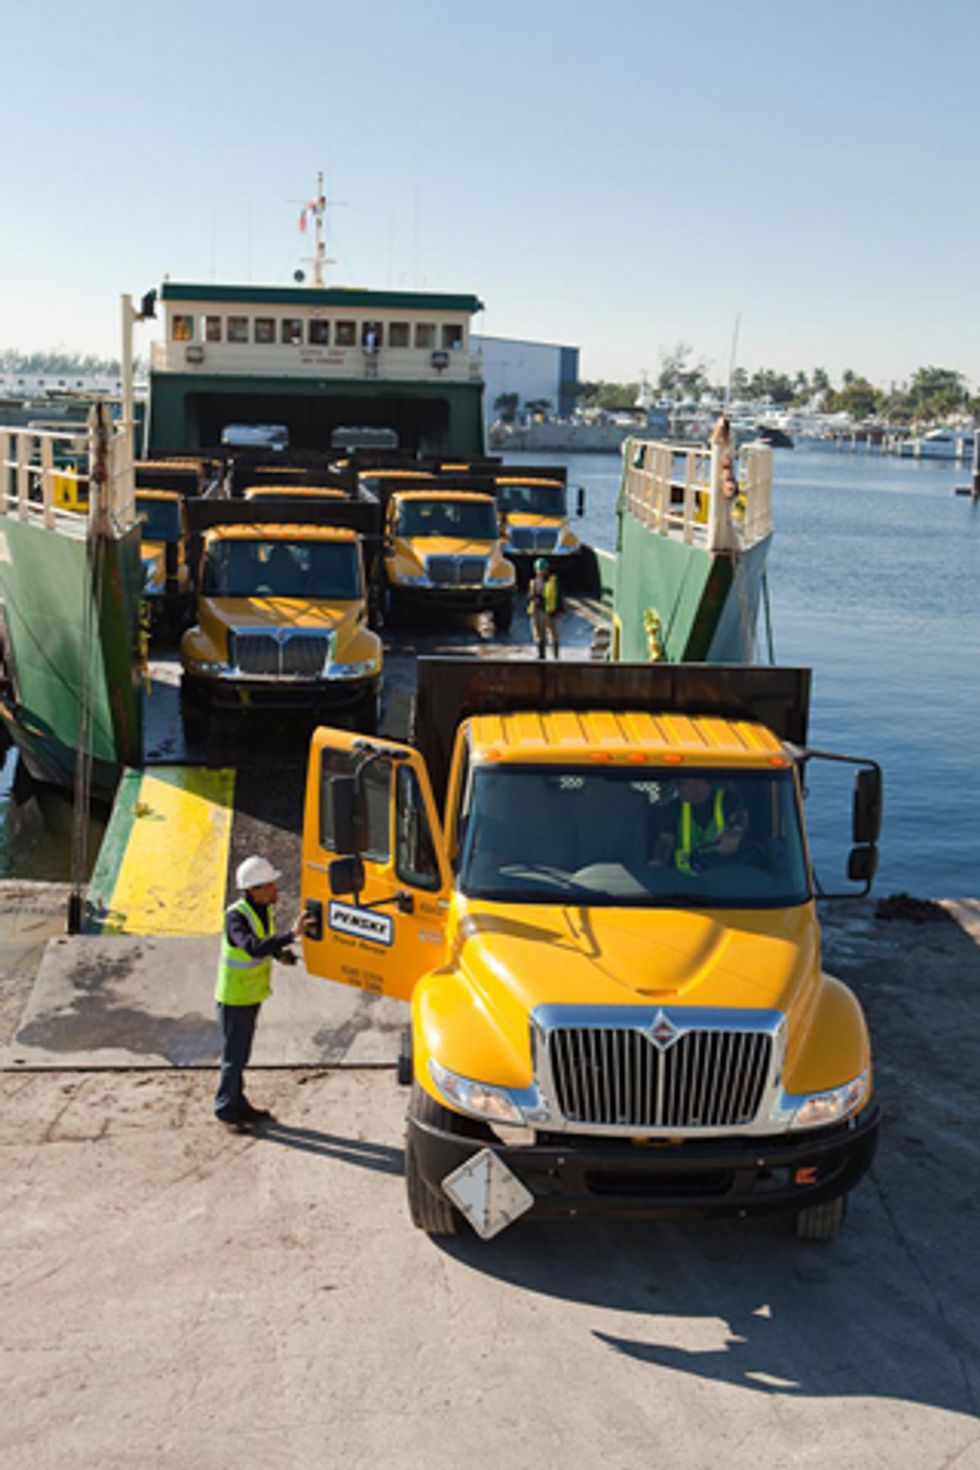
column 376, row 878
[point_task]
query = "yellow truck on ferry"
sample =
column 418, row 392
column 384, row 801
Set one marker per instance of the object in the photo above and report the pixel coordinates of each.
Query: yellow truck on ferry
column 593, row 883
column 443, row 552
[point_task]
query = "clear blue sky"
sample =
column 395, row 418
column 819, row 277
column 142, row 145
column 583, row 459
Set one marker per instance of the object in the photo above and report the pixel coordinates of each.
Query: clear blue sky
column 622, row 177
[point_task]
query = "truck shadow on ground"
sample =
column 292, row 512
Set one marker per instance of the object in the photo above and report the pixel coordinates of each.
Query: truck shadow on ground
column 744, row 1303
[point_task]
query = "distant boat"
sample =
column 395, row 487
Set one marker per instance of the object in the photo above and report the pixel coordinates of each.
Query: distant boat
column 775, row 438
column 939, row 444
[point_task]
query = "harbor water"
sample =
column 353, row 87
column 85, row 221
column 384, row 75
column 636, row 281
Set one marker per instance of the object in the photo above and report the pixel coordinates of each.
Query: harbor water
column 873, row 575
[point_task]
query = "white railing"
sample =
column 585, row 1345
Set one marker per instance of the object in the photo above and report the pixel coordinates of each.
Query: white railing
column 46, row 476
column 706, row 497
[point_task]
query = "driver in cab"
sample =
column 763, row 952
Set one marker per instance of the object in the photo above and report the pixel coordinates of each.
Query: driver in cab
column 709, row 823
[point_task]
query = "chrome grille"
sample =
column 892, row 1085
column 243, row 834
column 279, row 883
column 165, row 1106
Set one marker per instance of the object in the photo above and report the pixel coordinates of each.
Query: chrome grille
column 455, row 571
column 268, row 655
column 615, row 1076
column 533, row 538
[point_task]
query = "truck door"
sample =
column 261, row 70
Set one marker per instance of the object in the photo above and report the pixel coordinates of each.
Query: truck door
column 384, row 937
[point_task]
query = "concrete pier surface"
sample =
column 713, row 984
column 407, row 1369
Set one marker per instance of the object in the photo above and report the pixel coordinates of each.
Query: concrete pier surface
column 177, row 1295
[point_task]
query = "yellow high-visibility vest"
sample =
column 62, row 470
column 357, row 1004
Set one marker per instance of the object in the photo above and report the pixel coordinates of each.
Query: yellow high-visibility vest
column 690, row 835
column 242, row 980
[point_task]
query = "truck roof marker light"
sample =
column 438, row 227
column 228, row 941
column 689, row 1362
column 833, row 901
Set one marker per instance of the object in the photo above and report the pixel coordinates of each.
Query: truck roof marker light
column 671, row 758
column 778, row 760
column 636, row 757
column 600, row 756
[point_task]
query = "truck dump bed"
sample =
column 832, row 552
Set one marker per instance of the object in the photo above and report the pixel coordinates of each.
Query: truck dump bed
column 451, row 690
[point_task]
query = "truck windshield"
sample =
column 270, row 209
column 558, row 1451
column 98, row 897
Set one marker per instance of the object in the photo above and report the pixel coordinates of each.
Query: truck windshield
column 320, row 569
column 537, row 500
column 645, row 836
column 161, row 519
column 465, row 520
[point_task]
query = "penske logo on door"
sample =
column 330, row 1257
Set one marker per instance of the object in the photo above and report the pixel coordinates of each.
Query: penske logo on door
column 357, row 923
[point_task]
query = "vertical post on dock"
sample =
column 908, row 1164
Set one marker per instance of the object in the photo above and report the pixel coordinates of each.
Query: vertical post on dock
column 976, row 462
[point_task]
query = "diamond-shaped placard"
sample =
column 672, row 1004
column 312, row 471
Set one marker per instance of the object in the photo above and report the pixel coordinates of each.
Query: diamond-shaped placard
column 488, row 1193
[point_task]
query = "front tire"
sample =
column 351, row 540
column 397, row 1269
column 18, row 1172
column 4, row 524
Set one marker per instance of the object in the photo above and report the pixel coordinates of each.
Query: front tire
column 195, row 717
column 428, row 1210
column 821, row 1222
column 503, row 616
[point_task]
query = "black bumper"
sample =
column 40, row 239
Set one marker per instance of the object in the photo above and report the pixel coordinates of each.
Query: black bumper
column 451, row 599
column 689, row 1181
column 311, row 696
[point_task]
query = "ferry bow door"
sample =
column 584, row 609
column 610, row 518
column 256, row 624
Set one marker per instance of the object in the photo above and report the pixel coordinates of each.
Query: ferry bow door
column 376, row 878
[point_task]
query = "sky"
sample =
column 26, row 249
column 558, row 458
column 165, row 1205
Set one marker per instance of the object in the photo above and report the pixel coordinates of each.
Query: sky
column 621, row 178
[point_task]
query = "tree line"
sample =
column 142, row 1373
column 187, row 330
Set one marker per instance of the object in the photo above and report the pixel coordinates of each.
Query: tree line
column 930, row 393
column 75, row 364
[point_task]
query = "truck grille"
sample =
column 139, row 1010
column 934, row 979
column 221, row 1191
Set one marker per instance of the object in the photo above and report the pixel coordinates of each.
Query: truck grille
column 615, row 1076
column 268, row 655
column 456, row 571
column 533, row 538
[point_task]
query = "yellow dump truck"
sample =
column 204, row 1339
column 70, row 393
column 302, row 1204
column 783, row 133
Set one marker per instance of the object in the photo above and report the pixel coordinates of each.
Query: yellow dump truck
column 443, row 553
column 609, row 938
column 282, row 624
column 535, row 517
column 167, row 587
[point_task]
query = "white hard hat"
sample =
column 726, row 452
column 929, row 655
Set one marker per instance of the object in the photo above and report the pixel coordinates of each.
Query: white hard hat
column 254, row 872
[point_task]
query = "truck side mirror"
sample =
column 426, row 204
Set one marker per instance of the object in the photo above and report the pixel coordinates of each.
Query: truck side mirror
column 580, row 501
column 346, row 875
column 866, row 814
column 349, row 817
column 862, row 864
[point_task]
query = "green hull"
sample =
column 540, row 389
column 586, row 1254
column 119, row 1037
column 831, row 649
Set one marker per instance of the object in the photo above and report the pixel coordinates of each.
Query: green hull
column 45, row 585
column 707, row 604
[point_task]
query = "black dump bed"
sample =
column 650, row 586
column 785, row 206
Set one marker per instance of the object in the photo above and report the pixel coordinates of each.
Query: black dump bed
column 451, row 690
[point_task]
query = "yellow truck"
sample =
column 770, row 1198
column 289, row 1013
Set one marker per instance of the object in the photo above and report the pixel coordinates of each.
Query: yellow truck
column 443, row 553
column 167, row 586
column 282, row 623
column 535, row 518
column 609, row 938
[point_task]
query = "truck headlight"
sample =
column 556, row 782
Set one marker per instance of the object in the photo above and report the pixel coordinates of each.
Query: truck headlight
column 352, row 671
column 479, row 1099
column 818, row 1109
column 208, row 667
column 400, row 580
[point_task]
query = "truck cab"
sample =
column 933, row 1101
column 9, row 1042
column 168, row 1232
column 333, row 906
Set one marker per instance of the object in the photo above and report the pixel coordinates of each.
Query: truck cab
column 167, row 586
column 535, row 518
column 443, row 552
column 609, row 939
column 282, row 625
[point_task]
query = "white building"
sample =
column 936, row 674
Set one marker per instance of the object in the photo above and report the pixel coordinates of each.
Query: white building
column 535, row 371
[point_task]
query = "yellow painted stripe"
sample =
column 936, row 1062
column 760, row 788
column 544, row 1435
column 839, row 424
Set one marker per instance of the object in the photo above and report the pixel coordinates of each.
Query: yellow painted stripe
column 173, row 873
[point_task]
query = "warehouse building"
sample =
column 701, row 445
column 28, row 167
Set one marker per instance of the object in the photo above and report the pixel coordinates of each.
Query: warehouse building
column 536, row 371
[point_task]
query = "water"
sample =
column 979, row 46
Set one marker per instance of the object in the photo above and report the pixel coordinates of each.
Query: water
column 874, row 574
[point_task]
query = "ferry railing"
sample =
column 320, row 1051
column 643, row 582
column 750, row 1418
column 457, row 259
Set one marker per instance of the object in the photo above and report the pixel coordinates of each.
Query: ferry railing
column 686, row 492
column 46, row 475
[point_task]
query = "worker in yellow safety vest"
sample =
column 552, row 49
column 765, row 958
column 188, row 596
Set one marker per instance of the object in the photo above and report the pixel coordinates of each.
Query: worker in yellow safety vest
column 709, row 822
column 249, row 944
column 543, row 606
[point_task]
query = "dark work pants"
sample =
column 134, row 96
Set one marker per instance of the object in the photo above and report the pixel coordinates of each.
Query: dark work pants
column 237, row 1030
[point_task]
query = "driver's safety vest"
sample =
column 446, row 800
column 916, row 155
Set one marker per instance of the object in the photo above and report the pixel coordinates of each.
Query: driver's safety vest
column 242, row 980
column 690, row 834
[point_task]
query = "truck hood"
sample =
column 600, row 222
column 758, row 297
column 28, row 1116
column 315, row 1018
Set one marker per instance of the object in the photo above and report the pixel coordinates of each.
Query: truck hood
column 523, row 956
column 280, row 612
column 423, row 546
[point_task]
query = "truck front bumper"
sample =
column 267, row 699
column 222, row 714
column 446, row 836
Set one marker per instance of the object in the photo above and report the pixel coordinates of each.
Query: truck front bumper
column 693, row 1180
column 450, row 599
column 304, row 695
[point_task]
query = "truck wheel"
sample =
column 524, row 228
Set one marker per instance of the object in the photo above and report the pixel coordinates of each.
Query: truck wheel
column 821, row 1222
column 429, row 1211
column 503, row 616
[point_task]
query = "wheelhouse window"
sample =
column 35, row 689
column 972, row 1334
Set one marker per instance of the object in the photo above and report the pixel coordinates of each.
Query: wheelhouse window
column 291, row 332
column 212, row 329
column 265, row 329
column 183, row 328
column 452, row 337
column 319, row 333
column 425, row 334
column 647, row 837
column 372, row 336
column 399, row 334
column 238, row 329
column 345, row 334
